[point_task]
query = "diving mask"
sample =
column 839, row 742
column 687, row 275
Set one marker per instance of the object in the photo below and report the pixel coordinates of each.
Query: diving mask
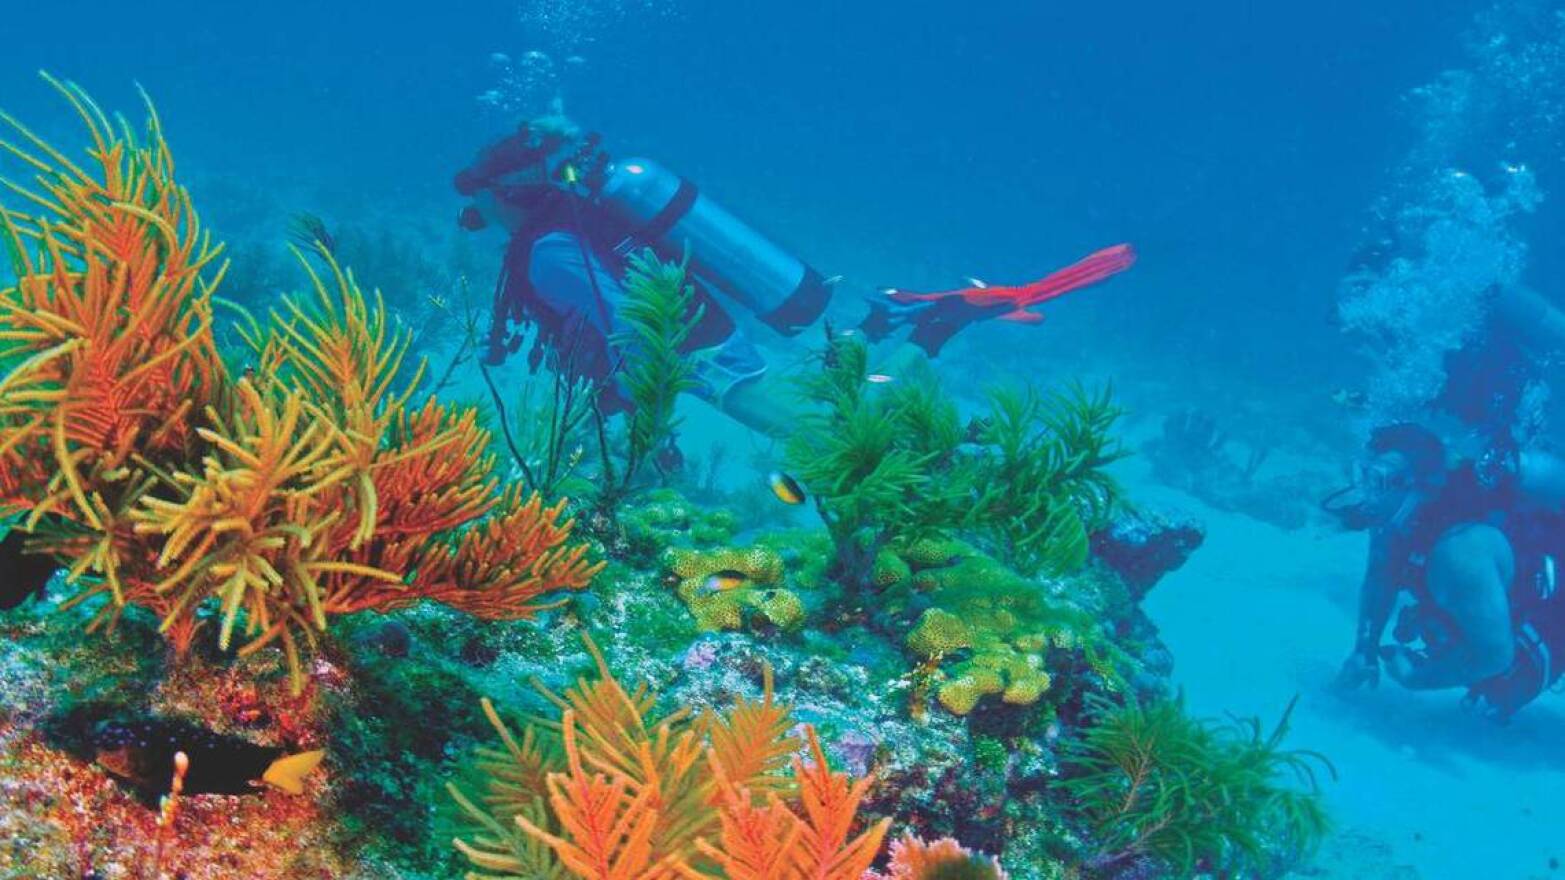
column 1376, row 496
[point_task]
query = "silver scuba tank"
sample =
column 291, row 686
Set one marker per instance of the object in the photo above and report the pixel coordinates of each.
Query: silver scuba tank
column 669, row 213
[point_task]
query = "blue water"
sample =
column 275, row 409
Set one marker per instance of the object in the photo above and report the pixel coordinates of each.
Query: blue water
column 1235, row 143
column 1241, row 146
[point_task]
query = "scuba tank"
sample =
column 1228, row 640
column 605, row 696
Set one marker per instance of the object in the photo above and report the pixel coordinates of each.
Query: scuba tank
column 668, row 212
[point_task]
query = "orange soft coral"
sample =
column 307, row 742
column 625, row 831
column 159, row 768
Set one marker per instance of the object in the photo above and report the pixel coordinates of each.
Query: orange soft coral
column 609, row 794
column 913, row 859
column 315, row 485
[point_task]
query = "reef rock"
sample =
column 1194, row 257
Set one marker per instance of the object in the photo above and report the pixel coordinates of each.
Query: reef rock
column 1142, row 546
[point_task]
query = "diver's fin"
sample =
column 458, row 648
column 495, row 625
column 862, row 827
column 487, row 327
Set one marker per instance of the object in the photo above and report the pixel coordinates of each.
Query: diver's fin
column 1022, row 316
column 288, row 772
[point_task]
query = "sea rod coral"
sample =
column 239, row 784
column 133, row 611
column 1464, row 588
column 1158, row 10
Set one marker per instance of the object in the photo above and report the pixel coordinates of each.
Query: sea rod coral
column 312, row 483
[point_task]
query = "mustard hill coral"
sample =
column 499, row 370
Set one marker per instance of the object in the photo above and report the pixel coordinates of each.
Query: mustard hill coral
column 991, row 632
column 314, row 485
column 757, row 591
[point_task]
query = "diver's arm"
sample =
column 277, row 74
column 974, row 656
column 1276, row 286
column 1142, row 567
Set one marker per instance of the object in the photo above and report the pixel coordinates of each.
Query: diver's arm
column 1377, row 596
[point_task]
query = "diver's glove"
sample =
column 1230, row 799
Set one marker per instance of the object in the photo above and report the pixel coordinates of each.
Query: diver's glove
column 1361, row 670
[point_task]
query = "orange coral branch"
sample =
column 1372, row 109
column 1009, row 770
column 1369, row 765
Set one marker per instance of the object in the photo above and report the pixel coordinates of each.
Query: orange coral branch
column 161, row 480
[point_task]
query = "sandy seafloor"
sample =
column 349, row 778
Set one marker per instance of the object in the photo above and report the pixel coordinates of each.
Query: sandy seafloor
column 1260, row 613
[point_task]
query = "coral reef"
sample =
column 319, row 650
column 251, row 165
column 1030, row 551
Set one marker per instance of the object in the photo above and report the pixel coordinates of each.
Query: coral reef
column 311, row 485
column 949, row 640
column 1194, row 454
column 1143, row 545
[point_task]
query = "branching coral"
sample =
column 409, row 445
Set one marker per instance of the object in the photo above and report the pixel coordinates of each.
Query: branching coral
column 313, row 485
column 609, row 792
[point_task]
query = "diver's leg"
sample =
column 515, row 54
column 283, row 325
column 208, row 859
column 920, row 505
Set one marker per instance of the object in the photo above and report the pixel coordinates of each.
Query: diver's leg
column 1469, row 575
column 733, row 377
column 1541, row 476
column 762, row 405
column 1531, row 316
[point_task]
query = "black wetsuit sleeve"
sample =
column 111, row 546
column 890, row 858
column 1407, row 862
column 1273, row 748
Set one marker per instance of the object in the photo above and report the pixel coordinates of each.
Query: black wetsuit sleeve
column 1377, row 596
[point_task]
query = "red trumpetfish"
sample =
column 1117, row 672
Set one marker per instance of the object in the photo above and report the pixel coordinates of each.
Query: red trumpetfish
column 1017, row 299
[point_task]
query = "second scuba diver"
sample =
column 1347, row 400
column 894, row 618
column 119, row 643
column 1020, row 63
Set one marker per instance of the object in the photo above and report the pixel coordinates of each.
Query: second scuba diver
column 1474, row 546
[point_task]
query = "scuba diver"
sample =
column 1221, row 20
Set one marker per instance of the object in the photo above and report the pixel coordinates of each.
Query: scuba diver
column 573, row 216
column 1474, row 547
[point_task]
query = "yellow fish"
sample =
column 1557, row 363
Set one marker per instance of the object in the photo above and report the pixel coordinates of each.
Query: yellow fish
column 787, row 490
column 724, row 580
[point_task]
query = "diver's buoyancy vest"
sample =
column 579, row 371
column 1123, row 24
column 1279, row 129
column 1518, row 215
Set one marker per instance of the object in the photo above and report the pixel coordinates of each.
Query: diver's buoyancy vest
column 669, row 213
column 1537, row 606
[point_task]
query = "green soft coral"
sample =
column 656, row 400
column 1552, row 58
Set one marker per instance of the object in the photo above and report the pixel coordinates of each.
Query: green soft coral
column 895, row 464
column 1195, row 795
column 659, row 312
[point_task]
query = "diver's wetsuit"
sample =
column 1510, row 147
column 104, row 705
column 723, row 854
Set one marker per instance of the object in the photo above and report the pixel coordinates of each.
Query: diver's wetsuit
column 561, row 273
column 547, row 281
column 1536, row 606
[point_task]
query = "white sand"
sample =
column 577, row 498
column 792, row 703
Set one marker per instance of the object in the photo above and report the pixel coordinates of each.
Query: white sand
column 1259, row 614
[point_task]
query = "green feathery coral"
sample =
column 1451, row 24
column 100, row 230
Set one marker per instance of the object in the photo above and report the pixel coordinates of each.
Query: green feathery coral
column 1197, row 795
column 895, row 464
column 659, row 313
